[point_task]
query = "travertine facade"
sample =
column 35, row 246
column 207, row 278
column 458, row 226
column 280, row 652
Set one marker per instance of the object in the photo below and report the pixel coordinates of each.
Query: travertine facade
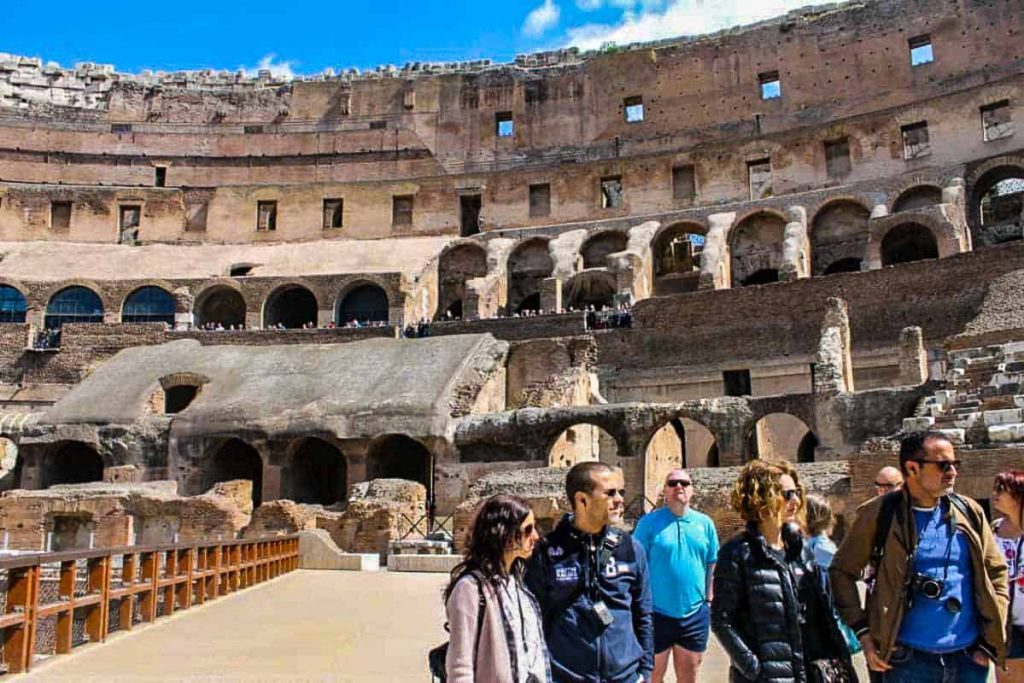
column 795, row 220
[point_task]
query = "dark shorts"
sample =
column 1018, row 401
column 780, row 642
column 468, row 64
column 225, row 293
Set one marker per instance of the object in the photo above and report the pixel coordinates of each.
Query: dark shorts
column 1016, row 644
column 689, row 633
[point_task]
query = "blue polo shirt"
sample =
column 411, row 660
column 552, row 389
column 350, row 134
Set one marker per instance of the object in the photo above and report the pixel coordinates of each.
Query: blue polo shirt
column 679, row 550
column 928, row 625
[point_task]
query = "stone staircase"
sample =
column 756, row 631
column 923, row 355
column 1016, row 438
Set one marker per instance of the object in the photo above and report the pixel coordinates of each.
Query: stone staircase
column 983, row 404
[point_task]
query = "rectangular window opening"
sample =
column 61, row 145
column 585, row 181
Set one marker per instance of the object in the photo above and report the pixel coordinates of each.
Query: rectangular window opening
column 128, row 220
column 921, row 50
column 160, row 176
column 120, row 128
column 611, row 192
column 996, row 121
column 759, row 176
column 266, row 216
column 634, row 108
column 916, row 142
column 252, row 130
column 771, row 86
column 684, row 183
column 837, row 158
column 469, row 217
column 401, row 210
column 540, row 200
column 60, row 215
column 736, row 382
column 378, row 125
column 333, row 211
column 503, row 124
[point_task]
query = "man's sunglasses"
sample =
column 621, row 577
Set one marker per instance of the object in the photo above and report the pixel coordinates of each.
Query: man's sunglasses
column 673, row 483
column 611, row 492
column 944, row 465
column 791, row 494
column 885, row 485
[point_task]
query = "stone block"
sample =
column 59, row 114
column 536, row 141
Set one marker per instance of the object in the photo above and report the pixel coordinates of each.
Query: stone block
column 944, row 397
column 966, row 420
column 1018, row 400
column 423, row 563
column 1006, row 433
column 318, row 551
column 917, row 424
column 1002, row 417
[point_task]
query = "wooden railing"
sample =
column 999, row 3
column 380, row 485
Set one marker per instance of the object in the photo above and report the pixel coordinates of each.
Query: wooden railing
column 150, row 582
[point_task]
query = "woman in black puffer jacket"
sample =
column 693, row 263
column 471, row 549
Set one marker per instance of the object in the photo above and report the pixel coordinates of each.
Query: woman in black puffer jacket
column 772, row 610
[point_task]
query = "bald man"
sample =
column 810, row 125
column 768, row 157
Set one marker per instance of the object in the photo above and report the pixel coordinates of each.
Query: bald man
column 888, row 479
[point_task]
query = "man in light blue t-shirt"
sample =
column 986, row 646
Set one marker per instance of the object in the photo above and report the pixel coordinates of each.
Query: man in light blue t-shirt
column 681, row 546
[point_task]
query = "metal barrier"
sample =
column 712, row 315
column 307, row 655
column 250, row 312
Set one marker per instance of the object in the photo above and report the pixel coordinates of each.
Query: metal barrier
column 150, row 582
column 426, row 525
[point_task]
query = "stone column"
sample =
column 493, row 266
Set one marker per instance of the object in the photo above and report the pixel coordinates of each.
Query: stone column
column 715, row 269
column 873, row 248
column 913, row 357
column 833, row 367
column 551, row 294
column 795, row 246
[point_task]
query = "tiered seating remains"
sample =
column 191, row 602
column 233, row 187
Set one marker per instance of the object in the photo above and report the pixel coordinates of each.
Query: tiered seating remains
column 983, row 404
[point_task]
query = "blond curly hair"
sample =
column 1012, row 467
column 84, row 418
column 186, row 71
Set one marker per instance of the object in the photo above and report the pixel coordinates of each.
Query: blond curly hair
column 757, row 493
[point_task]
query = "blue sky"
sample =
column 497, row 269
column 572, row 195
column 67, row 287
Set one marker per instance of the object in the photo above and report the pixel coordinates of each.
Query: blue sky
column 306, row 36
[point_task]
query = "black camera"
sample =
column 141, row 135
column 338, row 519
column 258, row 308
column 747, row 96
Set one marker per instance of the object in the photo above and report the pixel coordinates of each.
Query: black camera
column 601, row 615
column 926, row 586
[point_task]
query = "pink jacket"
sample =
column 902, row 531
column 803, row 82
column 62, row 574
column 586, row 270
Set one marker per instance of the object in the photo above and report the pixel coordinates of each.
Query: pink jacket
column 493, row 664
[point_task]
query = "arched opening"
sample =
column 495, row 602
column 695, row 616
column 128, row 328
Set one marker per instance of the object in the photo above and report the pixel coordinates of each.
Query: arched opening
column 457, row 266
column 839, row 234
column 365, row 303
column 997, row 206
column 220, row 306
column 71, row 462
column 677, row 251
column 594, row 288
column 844, row 265
column 781, row 436
column 756, row 245
column 148, row 305
column 908, row 242
column 73, row 305
column 917, row 198
column 454, row 311
column 318, row 473
column 235, row 459
column 397, row 456
column 762, row 277
column 528, row 265
column 681, row 442
column 12, row 305
column 291, row 306
column 596, row 249
column 582, row 442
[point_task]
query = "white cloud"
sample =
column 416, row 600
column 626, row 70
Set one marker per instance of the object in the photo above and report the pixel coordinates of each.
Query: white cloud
column 656, row 19
column 277, row 69
column 541, row 19
column 589, row 5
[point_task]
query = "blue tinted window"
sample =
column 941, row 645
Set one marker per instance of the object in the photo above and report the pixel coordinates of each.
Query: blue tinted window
column 74, row 305
column 149, row 305
column 12, row 305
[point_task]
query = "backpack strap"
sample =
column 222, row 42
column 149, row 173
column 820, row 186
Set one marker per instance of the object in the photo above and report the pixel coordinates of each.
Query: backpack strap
column 890, row 502
column 479, row 619
column 976, row 517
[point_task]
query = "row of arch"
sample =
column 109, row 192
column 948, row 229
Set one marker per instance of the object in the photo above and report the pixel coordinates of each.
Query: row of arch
column 291, row 306
column 315, row 470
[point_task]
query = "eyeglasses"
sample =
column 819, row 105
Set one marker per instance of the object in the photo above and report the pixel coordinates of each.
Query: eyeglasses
column 527, row 530
column 791, row 494
column 673, row 483
column 611, row 493
column 944, row 465
column 884, row 485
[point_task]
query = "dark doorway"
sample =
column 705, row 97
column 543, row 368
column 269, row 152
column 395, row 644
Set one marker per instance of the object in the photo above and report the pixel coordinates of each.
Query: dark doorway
column 176, row 399
column 291, row 307
column 71, row 463
column 366, row 303
column 220, row 306
column 762, row 277
column 236, row 459
column 318, row 473
column 470, row 205
column 399, row 457
column 909, row 242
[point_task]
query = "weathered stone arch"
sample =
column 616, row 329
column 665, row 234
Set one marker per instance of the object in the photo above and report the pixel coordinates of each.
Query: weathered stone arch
column 529, row 264
column 291, row 305
column 459, row 263
column 839, row 234
column 680, row 442
column 317, row 472
column 582, row 442
column 362, row 300
column 595, row 288
column 399, row 456
column 996, row 216
column 74, row 304
column 908, row 242
column 917, row 197
column 596, row 248
column 778, row 435
column 69, row 462
column 220, row 304
column 149, row 303
column 676, row 251
column 235, row 459
column 756, row 246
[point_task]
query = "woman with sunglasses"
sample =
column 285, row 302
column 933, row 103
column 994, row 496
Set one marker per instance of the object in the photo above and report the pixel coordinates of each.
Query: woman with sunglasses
column 1008, row 501
column 772, row 611
column 496, row 630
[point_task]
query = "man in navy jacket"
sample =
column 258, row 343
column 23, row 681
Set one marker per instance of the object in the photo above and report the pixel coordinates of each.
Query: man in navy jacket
column 591, row 581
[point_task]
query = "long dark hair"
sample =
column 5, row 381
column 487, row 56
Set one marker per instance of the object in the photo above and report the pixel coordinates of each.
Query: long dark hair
column 495, row 530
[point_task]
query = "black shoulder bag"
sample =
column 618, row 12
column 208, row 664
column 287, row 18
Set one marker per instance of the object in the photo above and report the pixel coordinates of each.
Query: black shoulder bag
column 437, row 658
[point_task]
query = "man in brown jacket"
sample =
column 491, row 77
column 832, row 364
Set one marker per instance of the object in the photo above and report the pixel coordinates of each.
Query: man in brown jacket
column 939, row 598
